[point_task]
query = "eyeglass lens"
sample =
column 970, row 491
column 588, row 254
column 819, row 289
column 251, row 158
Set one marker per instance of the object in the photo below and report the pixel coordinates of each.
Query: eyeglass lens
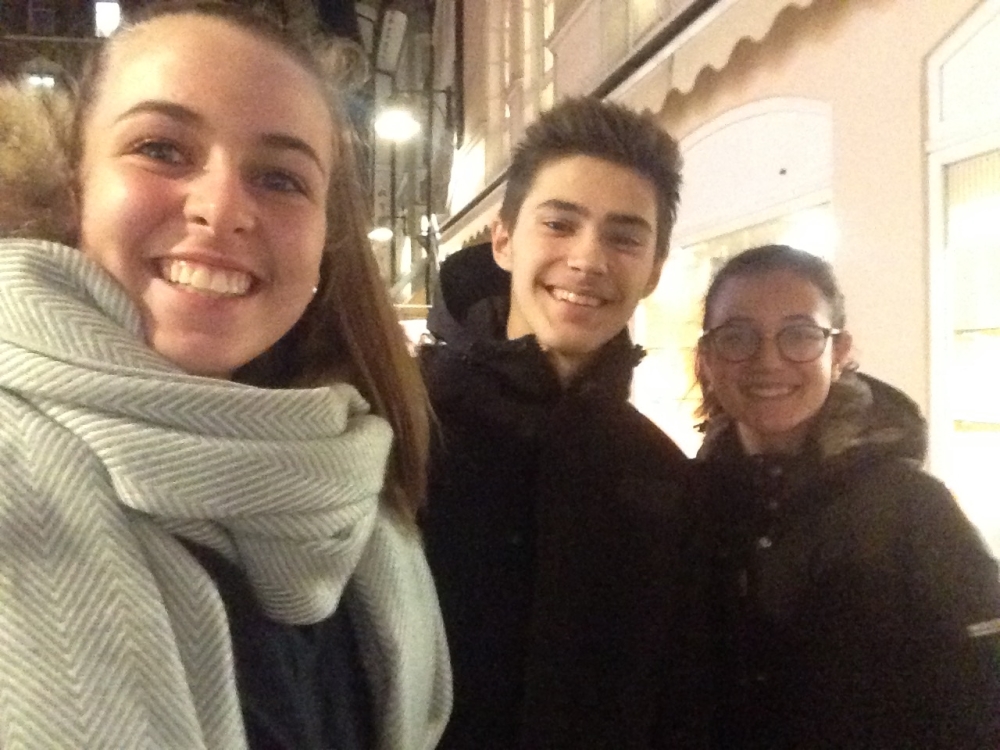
column 796, row 343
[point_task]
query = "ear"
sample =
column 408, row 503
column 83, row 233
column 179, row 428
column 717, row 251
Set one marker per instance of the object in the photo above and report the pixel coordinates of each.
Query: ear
column 654, row 276
column 501, row 245
column 843, row 343
column 702, row 370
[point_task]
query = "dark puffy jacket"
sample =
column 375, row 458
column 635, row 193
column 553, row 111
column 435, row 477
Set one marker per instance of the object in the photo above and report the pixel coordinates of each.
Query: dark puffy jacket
column 856, row 605
column 558, row 538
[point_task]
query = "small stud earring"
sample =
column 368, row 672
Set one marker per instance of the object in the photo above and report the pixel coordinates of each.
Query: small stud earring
column 315, row 289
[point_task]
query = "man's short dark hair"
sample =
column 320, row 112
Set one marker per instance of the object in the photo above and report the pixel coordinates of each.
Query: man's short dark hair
column 587, row 126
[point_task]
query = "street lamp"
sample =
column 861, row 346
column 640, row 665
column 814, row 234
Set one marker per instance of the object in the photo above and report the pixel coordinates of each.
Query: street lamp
column 396, row 123
column 41, row 80
column 380, row 234
column 396, row 120
column 405, row 115
column 107, row 17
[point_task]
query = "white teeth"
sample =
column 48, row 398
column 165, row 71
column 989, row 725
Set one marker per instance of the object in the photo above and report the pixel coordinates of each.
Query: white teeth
column 576, row 299
column 220, row 281
column 770, row 391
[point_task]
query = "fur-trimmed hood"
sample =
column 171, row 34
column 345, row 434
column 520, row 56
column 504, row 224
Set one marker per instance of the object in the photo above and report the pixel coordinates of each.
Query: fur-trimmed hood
column 861, row 412
column 36, row 179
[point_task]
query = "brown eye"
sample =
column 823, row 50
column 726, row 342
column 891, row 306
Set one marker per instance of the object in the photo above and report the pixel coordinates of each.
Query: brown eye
column 625, row 242
column 559, row 226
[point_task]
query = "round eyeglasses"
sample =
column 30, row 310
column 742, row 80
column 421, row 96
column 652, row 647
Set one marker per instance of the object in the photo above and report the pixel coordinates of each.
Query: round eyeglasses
column 799, row 342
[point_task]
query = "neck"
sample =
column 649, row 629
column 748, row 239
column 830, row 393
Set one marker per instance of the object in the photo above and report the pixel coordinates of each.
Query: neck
column 567, row 366
column 785, row 443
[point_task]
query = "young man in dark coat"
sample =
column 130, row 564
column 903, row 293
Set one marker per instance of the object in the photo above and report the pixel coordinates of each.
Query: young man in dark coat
column 555, row 526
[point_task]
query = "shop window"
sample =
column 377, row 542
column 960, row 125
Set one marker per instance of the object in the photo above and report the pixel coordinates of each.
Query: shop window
column 964, row 201
column 972, row 245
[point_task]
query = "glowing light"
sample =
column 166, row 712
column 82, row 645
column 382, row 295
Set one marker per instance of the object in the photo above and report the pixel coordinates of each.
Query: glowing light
column 42, row 81
column 380, row 234
column 107, row 17
column 396, row 124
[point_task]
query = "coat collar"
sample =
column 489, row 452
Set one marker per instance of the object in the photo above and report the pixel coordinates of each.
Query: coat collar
column 861, row 414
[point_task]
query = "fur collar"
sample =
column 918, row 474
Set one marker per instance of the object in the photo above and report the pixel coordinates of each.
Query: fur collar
column 861, row 412
column 36, row 184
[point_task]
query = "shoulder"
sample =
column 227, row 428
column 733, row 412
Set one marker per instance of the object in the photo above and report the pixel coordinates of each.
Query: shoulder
column 941, row 544
column 906, row 486
column 632, row 433
column 892, row 496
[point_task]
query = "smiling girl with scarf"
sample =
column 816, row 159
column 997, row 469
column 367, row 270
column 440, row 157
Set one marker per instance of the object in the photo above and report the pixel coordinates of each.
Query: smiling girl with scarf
column 206, row 528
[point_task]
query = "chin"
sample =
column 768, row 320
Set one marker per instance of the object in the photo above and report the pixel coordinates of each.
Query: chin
column 209, row 365
column 580, row 343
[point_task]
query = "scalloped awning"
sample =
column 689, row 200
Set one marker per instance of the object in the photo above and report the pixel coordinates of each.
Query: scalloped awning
column 708, row 43
column 713, row 44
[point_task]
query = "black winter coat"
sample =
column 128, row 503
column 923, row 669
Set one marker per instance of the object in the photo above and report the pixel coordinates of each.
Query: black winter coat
column 855, row 604
column 558, row 537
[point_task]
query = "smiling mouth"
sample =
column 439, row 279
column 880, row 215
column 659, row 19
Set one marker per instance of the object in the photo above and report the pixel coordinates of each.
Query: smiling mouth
column 198, row 277
column 575, row 298
column 769, row 391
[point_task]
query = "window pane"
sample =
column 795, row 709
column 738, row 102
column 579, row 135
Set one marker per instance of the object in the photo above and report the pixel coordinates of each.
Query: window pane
column 972, row 195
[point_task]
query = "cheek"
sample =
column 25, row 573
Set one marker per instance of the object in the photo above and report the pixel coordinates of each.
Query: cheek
column 641, row 281
column 722, row 379
column 820, row 378
column 707, row 368
column 302, row 233
column 118, row 212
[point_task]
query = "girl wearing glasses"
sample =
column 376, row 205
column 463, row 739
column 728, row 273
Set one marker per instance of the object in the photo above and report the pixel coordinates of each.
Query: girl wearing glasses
column 856, row 606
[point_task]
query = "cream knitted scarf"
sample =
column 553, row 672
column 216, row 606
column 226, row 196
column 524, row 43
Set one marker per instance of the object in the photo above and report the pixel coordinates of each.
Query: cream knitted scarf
column 111, row 635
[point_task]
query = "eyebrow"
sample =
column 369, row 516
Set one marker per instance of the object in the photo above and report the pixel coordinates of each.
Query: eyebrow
column 633, row 220
column 279, row 141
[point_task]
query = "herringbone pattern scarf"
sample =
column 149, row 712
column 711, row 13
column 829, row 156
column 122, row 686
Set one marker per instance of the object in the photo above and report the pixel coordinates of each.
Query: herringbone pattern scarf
column 111, row 635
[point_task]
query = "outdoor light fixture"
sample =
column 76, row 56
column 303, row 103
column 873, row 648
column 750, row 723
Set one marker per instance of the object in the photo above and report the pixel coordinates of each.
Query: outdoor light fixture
column 380, row 234
column 107, row 17
column 41, row 80
column 396, row 123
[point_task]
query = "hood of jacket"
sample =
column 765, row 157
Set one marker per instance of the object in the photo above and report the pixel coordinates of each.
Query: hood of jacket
column 36, row 182
column 861, row 414
column 468, row 320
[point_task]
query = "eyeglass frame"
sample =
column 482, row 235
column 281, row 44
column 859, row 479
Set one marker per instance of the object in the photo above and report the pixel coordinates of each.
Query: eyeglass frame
column 828, row 333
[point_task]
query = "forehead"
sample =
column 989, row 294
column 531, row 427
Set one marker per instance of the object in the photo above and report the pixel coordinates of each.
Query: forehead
column 218, row 69
column 600, row 186
column 769, row 297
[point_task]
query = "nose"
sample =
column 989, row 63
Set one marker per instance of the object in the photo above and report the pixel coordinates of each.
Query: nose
column 768, row 354
column 218, row 199
column 587, row 254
